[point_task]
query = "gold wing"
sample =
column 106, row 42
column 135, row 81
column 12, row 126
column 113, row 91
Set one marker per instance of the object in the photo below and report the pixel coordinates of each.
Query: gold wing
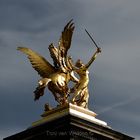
column 54, row 55
column 64, row 45
column 39, row 63
column 66, row 37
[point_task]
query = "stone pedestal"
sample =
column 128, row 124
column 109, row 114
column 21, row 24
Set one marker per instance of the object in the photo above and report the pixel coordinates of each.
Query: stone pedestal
column 69, row 122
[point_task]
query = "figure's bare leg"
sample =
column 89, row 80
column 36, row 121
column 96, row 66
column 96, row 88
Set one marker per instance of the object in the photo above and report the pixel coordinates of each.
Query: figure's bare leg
column 76, row 94
column 83, row 102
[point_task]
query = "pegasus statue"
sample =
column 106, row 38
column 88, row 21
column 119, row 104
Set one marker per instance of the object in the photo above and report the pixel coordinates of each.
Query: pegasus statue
column 57, row 76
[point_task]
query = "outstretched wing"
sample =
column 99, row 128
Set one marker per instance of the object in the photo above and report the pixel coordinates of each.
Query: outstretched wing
column 39, row 63
column 66, row 37
column 64, row 45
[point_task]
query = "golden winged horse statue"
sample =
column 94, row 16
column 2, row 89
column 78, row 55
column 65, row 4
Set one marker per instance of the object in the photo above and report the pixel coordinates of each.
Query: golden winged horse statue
column 55, row 77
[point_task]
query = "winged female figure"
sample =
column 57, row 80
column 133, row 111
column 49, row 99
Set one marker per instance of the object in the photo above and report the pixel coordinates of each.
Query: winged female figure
column 57, row 76
column 80, row 90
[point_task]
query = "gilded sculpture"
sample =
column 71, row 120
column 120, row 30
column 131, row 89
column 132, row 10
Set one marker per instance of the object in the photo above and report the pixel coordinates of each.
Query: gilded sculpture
column 57, row 76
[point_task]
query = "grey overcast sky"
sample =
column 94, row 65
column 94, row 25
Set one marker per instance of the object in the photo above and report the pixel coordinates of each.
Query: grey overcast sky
column 114, row 77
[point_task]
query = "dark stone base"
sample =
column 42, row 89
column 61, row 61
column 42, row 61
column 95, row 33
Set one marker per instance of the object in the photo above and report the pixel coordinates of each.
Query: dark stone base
column 70, row 127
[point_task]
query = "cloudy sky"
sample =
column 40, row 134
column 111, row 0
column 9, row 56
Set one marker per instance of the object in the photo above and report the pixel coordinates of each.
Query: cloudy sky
column 114, row 77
